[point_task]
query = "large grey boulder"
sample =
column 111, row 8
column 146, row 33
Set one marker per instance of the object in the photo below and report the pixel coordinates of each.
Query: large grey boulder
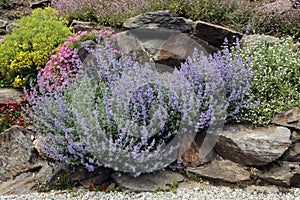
column 17, row 154
column 159, row 19
column 214, row 34
column 290, row 119
column 21, row 169
column 160, row 47
column 129, row 42
column 147, row 182
column 176, row 49
column 253, row 146
column 221, row 170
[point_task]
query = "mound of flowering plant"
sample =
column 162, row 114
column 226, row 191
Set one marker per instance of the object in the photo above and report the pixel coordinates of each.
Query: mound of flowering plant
column 63, row 65
column 276, row 83
column 131, row 118
column 27, row 49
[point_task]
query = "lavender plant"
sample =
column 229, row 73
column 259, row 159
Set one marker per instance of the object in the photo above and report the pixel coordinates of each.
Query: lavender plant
column 131, row 118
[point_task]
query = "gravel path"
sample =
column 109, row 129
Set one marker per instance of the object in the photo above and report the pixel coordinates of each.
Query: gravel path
column 188, row 192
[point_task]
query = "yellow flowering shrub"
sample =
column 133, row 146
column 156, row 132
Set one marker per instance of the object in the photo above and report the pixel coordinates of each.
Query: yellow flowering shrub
column 30, row 46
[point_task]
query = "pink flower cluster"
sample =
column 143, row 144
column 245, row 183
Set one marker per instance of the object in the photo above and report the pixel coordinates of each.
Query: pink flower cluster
column 76, row 38
column 63, row 65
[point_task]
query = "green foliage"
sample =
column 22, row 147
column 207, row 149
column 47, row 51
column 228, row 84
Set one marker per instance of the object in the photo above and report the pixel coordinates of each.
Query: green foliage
column 276, row 82
column 172, row 188
column 29, row 47
column 278, row 24
column 233, row 13
column 62, row 181
column 41, row 186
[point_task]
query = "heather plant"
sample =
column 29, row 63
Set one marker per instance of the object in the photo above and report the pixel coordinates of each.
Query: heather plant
column 276, row 83
column 278, row 24
column 102, row 11
column 27, row 49
column 229, row 13
column 131, row 118
column 234, row 14
column 61, row 69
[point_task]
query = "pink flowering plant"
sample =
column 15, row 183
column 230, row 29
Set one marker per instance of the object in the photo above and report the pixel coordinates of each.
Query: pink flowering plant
column 62, row 67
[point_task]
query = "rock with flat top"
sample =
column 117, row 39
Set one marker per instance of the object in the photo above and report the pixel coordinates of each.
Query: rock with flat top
column 159, row 19
column 253, row 146
column 221, row 170
column 147, row 182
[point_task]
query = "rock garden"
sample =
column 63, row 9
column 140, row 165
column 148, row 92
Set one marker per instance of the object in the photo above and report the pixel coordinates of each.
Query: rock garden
column 149, row 96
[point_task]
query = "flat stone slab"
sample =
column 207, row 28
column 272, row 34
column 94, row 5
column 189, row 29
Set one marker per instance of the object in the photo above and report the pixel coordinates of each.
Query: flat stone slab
column 214, row 34
column 253, row 146
column 223, row 170
column 159, row 19
column 287, row 175
column 147, row 182
column 21, row 184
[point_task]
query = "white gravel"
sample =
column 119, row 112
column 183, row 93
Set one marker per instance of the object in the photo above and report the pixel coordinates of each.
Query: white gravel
column 201, row 191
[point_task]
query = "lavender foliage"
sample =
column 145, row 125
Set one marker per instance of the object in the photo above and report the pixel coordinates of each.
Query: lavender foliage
column 124, row 115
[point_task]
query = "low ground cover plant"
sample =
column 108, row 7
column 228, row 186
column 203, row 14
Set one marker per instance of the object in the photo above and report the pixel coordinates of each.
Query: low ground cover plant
column 276, row 82
column 235, row 14
column 126, row 116
column 102, row 11
column 11, row 115
column 278, row 24
column 29, row 47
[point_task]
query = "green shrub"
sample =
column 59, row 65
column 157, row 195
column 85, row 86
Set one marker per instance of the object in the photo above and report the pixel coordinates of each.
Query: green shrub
column 276, row 81
column 277, row 24
column 29, row 47
column 231, row 13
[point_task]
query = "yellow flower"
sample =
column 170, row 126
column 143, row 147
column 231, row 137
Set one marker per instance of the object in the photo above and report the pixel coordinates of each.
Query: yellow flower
column 16, row 43
column 18, row 82
column 34, row 45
